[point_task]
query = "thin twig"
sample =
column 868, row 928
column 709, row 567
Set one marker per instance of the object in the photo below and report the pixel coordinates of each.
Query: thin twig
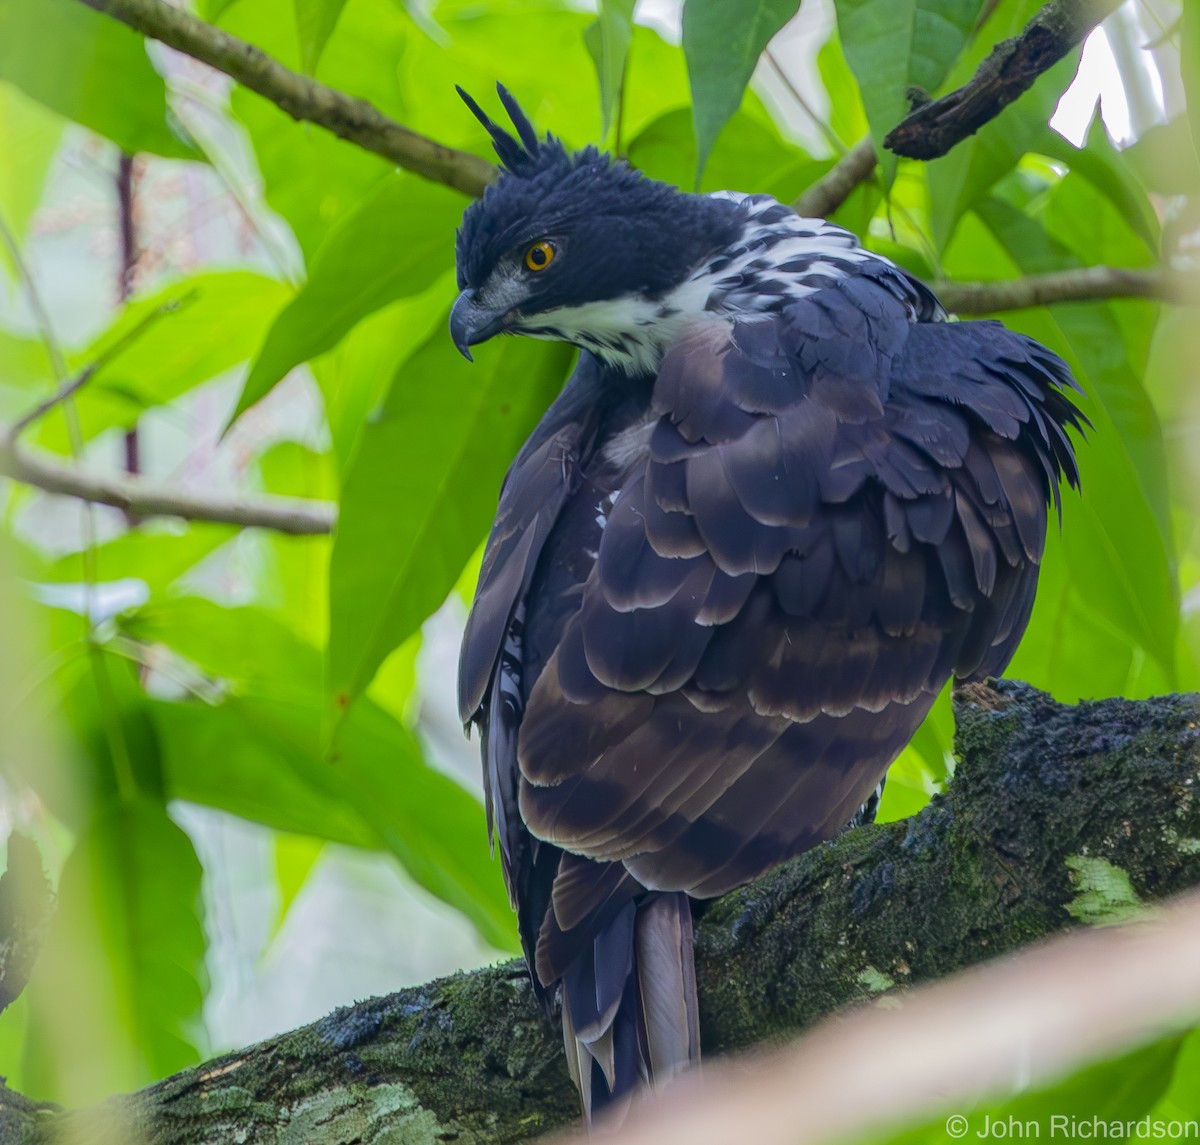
column 59, row 396
column 838, row 183
column 834, row 140
column 1085, row 284
column 85, row 375
column 302, row 98
column 147, row 498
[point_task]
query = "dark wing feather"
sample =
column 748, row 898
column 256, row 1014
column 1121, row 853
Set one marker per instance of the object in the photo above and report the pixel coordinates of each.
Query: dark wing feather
column 837, row 510
column 544, row 475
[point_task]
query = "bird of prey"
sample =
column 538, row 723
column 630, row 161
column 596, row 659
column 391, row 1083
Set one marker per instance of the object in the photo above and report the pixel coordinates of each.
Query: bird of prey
column 780, row 502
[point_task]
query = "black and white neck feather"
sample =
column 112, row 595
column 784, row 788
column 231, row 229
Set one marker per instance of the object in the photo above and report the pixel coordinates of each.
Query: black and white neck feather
column 776, row 257
column 582, row 248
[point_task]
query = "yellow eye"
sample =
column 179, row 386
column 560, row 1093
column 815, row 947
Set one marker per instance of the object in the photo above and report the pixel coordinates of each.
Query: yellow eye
column 540, row 255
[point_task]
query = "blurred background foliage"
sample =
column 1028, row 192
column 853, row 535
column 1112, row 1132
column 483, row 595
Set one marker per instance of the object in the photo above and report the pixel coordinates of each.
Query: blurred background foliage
column 235, row 749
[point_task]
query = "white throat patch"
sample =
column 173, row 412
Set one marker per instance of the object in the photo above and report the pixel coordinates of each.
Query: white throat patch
column 769, row 264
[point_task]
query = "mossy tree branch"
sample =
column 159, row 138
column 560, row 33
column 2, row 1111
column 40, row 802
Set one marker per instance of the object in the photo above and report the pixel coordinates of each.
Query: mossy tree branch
column 1047, row 799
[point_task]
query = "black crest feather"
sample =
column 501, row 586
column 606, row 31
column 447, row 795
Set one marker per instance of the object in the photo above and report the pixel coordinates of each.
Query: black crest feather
column 520, row 155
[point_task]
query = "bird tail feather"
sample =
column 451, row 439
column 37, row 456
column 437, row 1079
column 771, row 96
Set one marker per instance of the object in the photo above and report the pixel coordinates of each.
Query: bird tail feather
column 630, row 1015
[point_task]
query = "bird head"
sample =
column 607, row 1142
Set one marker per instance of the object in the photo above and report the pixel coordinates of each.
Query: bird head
column 578, row 247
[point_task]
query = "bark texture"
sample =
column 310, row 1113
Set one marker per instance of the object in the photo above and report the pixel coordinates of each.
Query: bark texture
column 1057, row 816
column 934, row 127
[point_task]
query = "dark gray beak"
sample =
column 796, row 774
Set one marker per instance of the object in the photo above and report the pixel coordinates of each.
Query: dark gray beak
column 471, row 323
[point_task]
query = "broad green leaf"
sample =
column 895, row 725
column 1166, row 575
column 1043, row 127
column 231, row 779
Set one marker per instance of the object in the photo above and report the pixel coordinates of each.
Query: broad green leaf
column 1182, row 1099
column 1108, row 341
column 1189, row 51
column 211, row 9
column 29, row 138
column 1112, row 535
column 396, row 244
column 1106, row 168
column 546, row 65
column 26, row 374
column 198, row 328
column 847, row 116
column 961, row 178
column 421, row 490
column 294, row 580
column 157, row 552
column 895, row 45
column 372, row 788
column 722, row 42
column 310, row 177
column 315, row 21
column 1069, row 649
column 295, row 858
column 117, row 992
column 220, row 757
column 1101, row 1100
column 608, row 42
column 750, row 157
column 1164, row 159
column 921, row 768
column 356, row 374
column 66, row 55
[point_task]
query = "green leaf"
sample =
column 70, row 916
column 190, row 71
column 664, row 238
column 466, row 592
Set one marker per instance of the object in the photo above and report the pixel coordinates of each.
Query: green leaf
column 310, row 177
column 221, row 757
column 117, row 992
column 1164, row 159
column 24, row 365
column 66, row 55
column 295, row 858
column 158, row 552
column 751, row 156
column 1099, row 1101
column 961, row 178
column 608, row 41
column 895, row 45
column 421, row 490
column 29, row 138
column 1183, row 1097
column 722, row 42
column 921, row 768
column 258, row 754
column 315, row 21
column 356, row 374
column 211, row 9
column 162, row 346
column 1106, row 168
column 1114, row 536
column 396, row 244
column 1189, row 51
column 847, row 116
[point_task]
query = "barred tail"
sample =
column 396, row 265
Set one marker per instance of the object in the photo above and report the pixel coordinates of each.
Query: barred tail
column 629, row 1009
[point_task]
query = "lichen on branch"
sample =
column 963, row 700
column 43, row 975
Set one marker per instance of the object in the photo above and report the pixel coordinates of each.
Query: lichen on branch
column 989, row 867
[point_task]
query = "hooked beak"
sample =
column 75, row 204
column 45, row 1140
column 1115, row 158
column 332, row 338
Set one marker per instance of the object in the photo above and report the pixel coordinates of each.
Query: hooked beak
column 471, row 323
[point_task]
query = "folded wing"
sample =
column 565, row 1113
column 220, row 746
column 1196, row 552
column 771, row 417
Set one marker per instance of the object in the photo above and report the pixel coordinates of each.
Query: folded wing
column 836, row 510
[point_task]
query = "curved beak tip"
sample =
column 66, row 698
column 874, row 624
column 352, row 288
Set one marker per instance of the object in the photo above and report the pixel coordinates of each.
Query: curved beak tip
column 471, row 323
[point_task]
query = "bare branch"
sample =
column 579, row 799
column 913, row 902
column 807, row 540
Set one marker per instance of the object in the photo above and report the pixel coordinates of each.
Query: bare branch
column 1008, row 72
column 830, row 191
column 302, row 98
column 145, row 498
column 1085, row 284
